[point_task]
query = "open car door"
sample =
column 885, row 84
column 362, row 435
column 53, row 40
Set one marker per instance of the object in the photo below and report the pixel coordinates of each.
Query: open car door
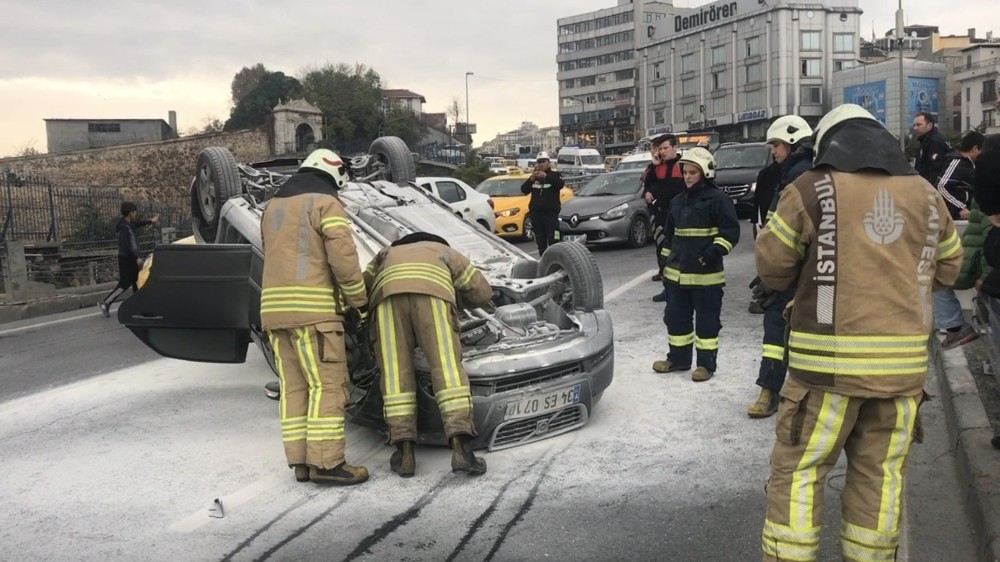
column 195, row 304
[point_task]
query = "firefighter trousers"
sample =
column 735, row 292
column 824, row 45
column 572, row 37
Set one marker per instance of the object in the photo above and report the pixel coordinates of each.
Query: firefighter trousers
column 406, row 321
column 658, row 218
column 813, row 427
column 312, row 368
column 772, row 361
column 692, row 319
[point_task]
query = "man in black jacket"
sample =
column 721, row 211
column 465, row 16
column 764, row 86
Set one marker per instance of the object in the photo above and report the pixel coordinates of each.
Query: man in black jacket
column 933, row 146
column 544, row 185
column 129, row 260
column 958, row 174
column 661, row 182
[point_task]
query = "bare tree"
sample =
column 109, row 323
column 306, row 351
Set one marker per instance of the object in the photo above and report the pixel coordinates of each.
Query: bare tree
column 28, row 149
column 454, row 111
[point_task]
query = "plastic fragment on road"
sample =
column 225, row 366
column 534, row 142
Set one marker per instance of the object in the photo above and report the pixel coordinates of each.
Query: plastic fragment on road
column 216, row 510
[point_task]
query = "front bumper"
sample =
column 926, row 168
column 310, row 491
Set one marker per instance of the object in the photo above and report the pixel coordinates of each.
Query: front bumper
column 597, row 230
column 510, row 227
column 741, row 195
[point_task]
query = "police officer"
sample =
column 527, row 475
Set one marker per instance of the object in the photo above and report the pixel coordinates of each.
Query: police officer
column 416, row 285
column 790, row 140
column 544, row 185
column 933, row 146
column 661, row 182
column 863, row 239
column 700, row 229
column 311, row 278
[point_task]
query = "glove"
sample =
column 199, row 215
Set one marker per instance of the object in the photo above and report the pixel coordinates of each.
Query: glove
column 762, row 294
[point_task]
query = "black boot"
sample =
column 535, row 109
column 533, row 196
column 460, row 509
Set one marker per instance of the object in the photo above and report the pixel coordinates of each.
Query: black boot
column 403, row 462
column 462, row 458
column 301, row 472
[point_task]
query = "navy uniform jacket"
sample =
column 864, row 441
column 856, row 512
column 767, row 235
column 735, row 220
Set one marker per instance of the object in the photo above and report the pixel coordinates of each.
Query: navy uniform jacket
column 701, row 228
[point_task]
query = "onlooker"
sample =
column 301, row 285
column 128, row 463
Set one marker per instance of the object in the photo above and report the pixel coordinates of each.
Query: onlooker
column 544, row 185
column 933, row 146
column 129, row 260
column 987, row 195
column 661, row 181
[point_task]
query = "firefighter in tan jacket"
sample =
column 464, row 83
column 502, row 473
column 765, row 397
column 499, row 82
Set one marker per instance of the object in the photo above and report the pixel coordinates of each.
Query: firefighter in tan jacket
column 866, row 239
column 416, row 286
column 311, row 278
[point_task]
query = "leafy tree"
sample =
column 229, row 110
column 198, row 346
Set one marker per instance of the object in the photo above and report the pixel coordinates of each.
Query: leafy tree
column 404, row 124
column 253, row 109
column 246, row 80
column 350, row 99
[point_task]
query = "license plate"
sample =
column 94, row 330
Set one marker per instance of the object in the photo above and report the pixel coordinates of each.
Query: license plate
column 542, row 403
column 581, row 238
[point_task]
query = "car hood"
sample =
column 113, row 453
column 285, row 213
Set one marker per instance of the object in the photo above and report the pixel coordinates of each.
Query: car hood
column 587, row 205
column 736, row 176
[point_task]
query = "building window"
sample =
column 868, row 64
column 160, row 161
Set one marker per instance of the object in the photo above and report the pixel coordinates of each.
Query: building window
column 659, row 94
column 811, row 40
column 688, row 112
column 568, row 84
column 843, row 42
column 689, row 87
column 658, row 117
column 625, row 74
column 104, row 127
column 812, row 95
column 719, row 55
column 720, row 106
column 811, row 68
column 968, row 123
column 588, row 81
column 752, row 46
column 752, row 73
column 988, row 118
column 753, row 100
column 657, row 70
column 568, row 102
column 989, row 91
column 718, row 80
column 968, row 94
column 688, row 63
column 844, row 64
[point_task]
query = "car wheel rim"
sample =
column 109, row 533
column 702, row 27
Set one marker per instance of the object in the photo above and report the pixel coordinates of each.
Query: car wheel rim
column 206, row 194
column 639, row 233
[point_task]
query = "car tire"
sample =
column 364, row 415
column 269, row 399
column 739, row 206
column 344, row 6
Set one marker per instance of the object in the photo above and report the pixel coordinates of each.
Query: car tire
column 638, row 232
column 528, row 229
column 397, row 158
column 587, row 289
column 216, row 179
column 485, row 225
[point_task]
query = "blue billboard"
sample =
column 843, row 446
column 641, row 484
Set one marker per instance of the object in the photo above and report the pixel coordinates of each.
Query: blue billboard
column 921, row 95
column 870, row 96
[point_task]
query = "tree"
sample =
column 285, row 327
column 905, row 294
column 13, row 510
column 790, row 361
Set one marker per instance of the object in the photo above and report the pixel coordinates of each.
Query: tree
column 28, row 150
column 246, row 80
column 253, row 109
column 404, row 124
column 454, row 111
column 208, row 125
column 351, row 101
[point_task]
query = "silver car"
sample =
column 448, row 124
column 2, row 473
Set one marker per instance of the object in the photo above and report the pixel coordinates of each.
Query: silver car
column 608, row 209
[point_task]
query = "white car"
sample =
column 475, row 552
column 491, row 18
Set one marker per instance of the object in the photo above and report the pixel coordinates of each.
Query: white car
column 468, row 203
column 635, row 162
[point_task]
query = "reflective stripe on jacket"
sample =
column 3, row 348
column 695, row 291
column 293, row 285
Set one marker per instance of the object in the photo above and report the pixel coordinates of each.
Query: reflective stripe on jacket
column 701, row 228
column 426, row 268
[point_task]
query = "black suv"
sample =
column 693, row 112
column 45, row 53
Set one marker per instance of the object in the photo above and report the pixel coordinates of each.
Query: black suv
column 736, row 168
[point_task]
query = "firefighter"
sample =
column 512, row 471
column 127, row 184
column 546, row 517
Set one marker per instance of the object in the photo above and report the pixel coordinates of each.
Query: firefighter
column 700, row 229
column 416, row 286
column 311, row 279
column 661, row 181
column 863, row 239
column 791, row 147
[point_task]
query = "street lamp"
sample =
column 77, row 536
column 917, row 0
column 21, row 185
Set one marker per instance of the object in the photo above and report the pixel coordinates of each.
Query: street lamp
column 467, row 74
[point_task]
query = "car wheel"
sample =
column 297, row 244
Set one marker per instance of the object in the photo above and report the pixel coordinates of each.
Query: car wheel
column 585, row 291
column 485, row 225
column 396, row 157
column 524, row 269
column 528, row 229
column 638, row 232
column 217, row 178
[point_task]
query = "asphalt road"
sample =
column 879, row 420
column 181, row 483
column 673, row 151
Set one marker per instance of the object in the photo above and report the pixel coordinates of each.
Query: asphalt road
column 109, row 452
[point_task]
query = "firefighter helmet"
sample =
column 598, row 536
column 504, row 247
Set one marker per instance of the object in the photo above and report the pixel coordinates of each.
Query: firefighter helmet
column 789, row 129
column 838, row 115
column 327, row 162
column 702, row 158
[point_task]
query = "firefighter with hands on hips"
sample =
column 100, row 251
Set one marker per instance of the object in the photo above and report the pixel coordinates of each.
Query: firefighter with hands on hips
column 416, row 286
column 790, row 138
column 311, row 279
column 661, row 182
column 544, row 185
column 864, row 240
column 700, row 229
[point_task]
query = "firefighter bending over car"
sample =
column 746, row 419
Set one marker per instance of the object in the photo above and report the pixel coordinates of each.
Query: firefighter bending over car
column 864, row 240
column 416, row 285
column 311, row 278
column 701, row 227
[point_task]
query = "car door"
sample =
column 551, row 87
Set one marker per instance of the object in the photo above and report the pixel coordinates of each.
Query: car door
column 197, row 303
column 455, row 196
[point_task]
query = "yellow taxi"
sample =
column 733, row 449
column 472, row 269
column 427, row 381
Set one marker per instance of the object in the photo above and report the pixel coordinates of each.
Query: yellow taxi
column 511, row 206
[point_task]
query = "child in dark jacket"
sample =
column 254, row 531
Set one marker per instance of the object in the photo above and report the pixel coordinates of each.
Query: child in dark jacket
column 129, row 260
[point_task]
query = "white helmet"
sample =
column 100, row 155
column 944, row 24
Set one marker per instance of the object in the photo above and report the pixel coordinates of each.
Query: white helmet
column 329, row 163
column 542, row 156
column 838, row 115
column 702, row 158
column 789, row 129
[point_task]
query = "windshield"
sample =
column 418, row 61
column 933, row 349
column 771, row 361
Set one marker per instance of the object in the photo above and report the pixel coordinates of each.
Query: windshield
column 501, row 188
column 633, row 165
column 741, row 157
column 612, row 184
column 594, row 160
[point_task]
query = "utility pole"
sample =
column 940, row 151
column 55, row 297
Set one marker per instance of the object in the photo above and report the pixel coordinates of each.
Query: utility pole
column 902, row 83
column 467, row 74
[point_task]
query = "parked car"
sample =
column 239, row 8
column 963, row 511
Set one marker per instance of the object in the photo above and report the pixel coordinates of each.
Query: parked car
column 608, row 209
column 496, row 165
column 466, row 201
column 611, row 162
column 511, row 206
column 736, row 168
column 538, row 361
column 635, row 162
column 575, row 161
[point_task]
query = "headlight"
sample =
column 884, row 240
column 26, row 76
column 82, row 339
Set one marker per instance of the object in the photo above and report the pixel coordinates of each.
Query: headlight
column 508, row 212
column 753, row 187
column 615, row 212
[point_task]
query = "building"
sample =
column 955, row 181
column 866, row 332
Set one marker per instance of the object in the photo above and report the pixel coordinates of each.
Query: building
column 733, row 65
column 66, row 135
column 597, row 74
column 404, row 99
column 526, row 140
column 295, row 126
column 977, row 78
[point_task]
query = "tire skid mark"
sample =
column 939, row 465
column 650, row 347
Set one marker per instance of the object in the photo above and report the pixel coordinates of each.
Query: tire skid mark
column 298, row 532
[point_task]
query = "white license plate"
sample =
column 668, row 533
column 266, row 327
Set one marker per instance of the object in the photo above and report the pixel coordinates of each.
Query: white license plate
column 581, row 238
column 542, row 403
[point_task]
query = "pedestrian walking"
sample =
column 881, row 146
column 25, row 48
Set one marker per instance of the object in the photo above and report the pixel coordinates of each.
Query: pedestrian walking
column 933, row 146
column 544, row 185
column 129, row 258
column 661, row 182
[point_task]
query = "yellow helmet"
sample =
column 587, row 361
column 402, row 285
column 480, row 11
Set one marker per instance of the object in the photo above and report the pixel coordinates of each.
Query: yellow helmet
column 838, row 115
column 702, row 158
column 789, row 129
column 329, row 163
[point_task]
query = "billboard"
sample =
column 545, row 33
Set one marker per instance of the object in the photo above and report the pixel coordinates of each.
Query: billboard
column 870, row 96
column 921, row 95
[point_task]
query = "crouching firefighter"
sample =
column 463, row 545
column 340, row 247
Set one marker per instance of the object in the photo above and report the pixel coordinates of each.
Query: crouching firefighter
column 790, row 138
column 700, row 229
column 865, row 240
column 311, row 278
column 415, row 286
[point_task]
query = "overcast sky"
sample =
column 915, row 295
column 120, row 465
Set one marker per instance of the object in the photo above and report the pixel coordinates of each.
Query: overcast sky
column 126, row 59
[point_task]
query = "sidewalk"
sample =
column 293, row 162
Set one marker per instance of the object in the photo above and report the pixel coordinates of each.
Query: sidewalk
column 65, row 300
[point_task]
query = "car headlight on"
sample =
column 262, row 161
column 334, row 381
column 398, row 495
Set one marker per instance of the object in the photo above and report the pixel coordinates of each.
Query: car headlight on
column 616, row 212
column 508, row 212
column 753, row 187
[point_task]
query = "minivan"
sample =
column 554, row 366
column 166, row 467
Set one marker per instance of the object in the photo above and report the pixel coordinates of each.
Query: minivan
column 576, row 161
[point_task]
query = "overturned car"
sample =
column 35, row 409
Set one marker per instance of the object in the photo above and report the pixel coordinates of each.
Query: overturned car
column 538, row 360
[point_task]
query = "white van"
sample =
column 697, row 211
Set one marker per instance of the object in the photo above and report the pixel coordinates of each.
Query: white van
column 575, row 161
column 635, row 162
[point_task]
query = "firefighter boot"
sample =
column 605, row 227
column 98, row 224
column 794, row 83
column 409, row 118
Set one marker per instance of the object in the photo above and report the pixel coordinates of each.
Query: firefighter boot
column 701, row 374
column 462, row 458
column 403, row 462
column 766, row 404
column 341, row 475
column 665, row 366
column 301, row 472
